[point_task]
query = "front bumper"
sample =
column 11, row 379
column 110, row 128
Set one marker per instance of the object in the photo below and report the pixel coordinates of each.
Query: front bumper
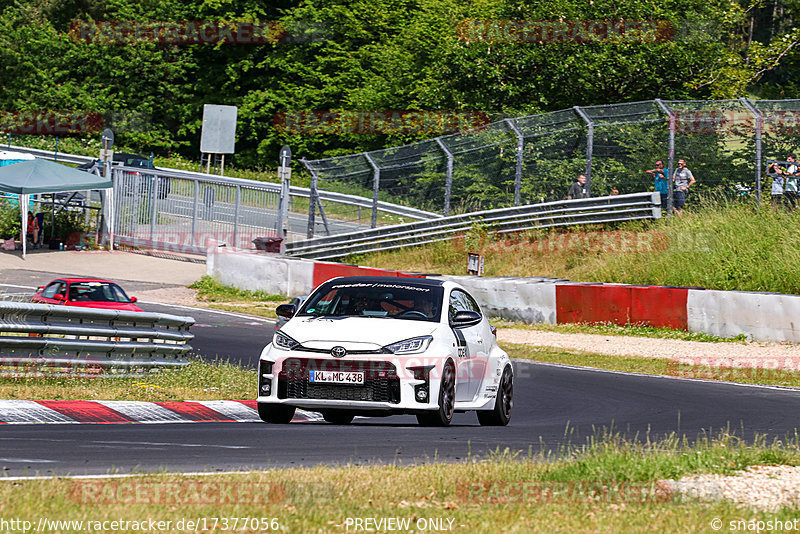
column 389, row 385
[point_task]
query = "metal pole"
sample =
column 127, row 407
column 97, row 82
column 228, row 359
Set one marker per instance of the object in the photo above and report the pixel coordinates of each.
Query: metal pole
column 448, row 185
column 312, row 194
column 759, row 126
column 194, row 211
column 376, row 185
column 236, row 216
column 152, row 210
column 518, row 171
column 671, row 158
column 589, row 147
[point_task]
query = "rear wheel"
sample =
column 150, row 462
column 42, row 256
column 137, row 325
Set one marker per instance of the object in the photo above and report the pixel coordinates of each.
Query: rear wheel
column 338, row 417
column 275, row 413
column 447, row 400
column 500, row 415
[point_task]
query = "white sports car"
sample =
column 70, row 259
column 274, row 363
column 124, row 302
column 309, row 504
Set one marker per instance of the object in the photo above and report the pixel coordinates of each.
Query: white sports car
column 382, row 346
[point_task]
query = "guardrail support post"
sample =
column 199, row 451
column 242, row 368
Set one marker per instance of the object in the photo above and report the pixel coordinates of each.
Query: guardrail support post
column 589, row 147
column 671, row 158
column 448, row 185
column 376, row 185
column 194, row 211
column 237, row 201
column 759, row 126
column 312, row 197
column 518, row 171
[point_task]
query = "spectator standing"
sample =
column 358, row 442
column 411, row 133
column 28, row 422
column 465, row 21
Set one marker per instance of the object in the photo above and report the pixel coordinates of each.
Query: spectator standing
column 577, row 189
column 774, row 170
column 661, row 182
column 684, row 179
column 33, row 229
column 790, row 175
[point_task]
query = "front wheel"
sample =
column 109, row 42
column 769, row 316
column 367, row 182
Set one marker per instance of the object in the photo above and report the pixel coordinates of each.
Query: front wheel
column 447, row 400
column 500, row 415
column 279, row 414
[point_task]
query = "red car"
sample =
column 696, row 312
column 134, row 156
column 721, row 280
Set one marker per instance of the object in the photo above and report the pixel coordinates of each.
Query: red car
column 86, row 293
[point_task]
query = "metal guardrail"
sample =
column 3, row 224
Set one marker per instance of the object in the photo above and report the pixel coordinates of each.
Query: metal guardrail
column 302, row 192
column 547, row 215
column 37, row 337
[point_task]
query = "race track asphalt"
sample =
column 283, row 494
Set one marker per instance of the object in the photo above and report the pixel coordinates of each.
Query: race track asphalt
column 555, row 406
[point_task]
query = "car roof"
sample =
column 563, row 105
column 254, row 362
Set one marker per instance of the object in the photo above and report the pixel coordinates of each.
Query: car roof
column 419, row 282
column 70, row 280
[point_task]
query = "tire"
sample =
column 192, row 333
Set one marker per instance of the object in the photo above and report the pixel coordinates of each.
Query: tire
column 338, row 417
column 500, row 415
column 279, row 414
column 447, row 400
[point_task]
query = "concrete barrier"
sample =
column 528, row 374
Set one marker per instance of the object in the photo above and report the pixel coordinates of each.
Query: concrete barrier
column 761, row 316
column 530, row 300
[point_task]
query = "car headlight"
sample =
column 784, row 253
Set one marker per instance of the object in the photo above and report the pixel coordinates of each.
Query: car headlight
column 282, row 341
column 410, row 346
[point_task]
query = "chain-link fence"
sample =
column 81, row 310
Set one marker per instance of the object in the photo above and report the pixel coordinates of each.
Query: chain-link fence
column 535, row 159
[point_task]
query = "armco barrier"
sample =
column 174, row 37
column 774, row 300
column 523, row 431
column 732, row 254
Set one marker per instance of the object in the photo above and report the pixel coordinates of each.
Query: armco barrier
column 760, row 316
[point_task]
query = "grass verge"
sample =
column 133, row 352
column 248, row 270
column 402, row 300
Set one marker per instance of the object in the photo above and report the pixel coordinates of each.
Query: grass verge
column 655, row 366
column 727, row 246
column 216, row 295
column 197, row 381
column 478, row 495
column 609, row 329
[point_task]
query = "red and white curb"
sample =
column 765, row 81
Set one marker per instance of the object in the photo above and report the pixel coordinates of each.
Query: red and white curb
column 28, row 412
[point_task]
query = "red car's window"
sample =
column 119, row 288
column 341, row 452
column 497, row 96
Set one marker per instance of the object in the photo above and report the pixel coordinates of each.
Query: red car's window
column 53, row 289
column 96, row 292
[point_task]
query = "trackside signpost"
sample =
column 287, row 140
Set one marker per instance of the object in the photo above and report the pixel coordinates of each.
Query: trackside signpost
column 284, row 175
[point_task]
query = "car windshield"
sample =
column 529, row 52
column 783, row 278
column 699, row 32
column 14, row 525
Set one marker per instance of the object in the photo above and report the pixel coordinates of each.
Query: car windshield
column 375, row 299
column 97, row 292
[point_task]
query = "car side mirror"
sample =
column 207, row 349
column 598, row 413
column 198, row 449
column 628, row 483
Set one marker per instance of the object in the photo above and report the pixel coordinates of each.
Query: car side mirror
column 59, row 296
column 134, row 299
column 286, row 310
column 465, row 318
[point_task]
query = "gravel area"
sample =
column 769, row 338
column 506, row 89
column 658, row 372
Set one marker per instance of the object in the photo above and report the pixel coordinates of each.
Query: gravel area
column 172, row 295
column 763, row 487
column 768, row 355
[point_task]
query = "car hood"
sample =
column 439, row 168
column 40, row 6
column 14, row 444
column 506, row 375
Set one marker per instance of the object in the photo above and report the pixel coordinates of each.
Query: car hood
column 106, row 305
column 354, row 333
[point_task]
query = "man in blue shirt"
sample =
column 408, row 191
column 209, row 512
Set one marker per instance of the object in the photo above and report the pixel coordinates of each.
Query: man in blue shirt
column 662, row 185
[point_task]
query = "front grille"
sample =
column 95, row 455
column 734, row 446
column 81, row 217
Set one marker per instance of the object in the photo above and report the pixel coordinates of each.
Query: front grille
column 381, row 383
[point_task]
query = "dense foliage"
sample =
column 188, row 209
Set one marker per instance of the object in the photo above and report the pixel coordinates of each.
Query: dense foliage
column 378, row 55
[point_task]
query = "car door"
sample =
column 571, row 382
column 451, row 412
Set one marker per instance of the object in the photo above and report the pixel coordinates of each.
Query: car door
column 469, row 341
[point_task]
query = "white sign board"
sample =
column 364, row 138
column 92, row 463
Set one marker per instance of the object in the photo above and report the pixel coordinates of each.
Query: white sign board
column 218, row 135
